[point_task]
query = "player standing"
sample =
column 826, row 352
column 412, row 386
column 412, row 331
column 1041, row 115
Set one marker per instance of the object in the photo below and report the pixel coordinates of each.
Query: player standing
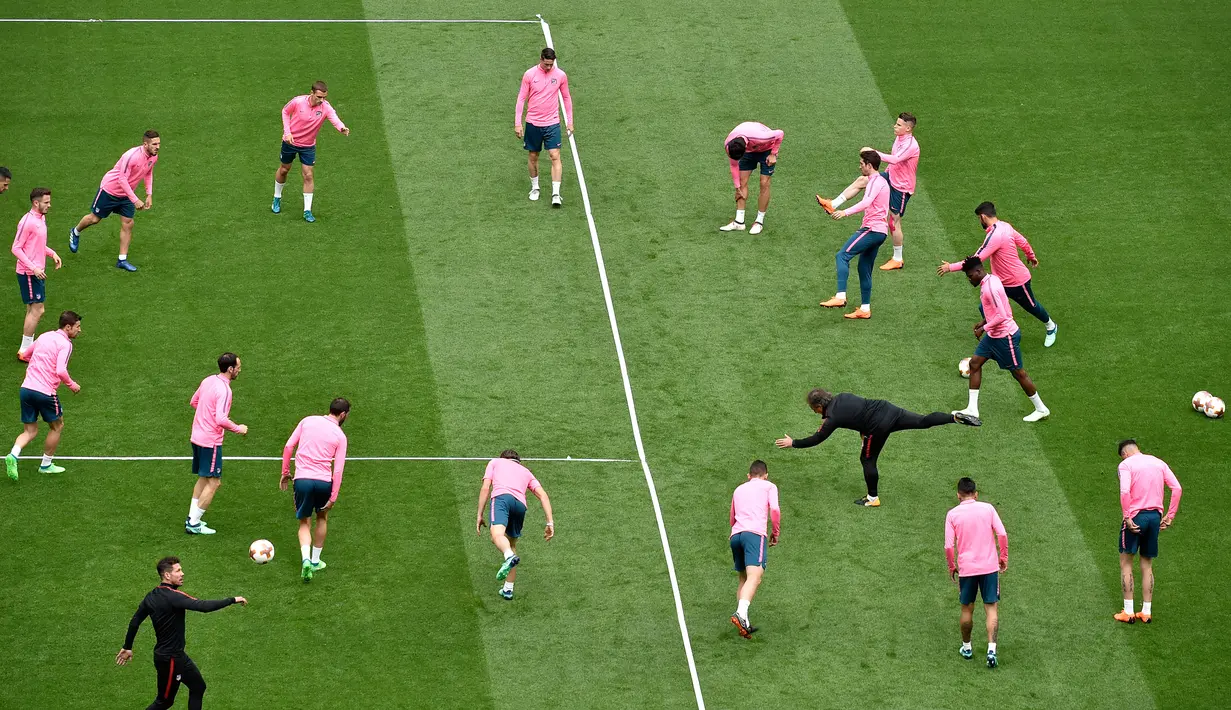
column 165, row 605
column 1142, row 478
column 115, row 194
column 1000, row 247
column 48, row 368
column 753, row 505
column 5, row 178
column 748, row 145
column 507, row 480
column 212, row 400
column 319, row 447
column 302, row 117
column 30, row 248
column 875, row 420
column 999, row 339
column 867, row 239
column 975, row 529
column 540, row 86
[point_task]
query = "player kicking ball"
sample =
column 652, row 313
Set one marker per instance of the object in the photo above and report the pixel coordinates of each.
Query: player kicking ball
column 753, row 506
column 319, row 447
column 748, row 145
column 302, row 117
column 507, row 481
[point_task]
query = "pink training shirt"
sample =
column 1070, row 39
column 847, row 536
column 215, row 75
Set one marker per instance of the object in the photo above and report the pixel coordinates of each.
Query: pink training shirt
column 999, row 250
column 903, row 162
column 30, row 244
column 1142, row 477
column 48, row 366
column 320, row 443
column 509, row 476
column 133, row 167
column 874, row 205
column 757, row 137
column 539, row 89
column 213, row 403
column 753, row 505
column 975, row 529
column 303, row 121
column 996, row 309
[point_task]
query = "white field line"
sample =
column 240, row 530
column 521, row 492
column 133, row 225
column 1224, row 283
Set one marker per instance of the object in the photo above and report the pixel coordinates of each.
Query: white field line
column 628, row 396
column 349, row 459
column 271, row 21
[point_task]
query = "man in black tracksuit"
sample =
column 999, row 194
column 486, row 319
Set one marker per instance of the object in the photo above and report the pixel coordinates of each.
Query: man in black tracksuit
column 875, row 420
column 166, row 605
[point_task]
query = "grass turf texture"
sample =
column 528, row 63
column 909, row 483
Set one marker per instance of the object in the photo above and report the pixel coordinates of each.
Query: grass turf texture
column 490, row 331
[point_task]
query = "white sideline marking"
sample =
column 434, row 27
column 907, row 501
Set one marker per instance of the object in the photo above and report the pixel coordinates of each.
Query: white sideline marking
column 569, row 459
column 628, row 396
column 270, row 21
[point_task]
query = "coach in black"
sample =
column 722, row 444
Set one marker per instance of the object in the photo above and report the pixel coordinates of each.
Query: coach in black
column 875, row 420
column 165, row 605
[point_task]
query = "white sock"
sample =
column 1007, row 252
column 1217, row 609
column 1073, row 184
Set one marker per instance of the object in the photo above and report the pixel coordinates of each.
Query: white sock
column 760, row 216
column 26, row 342
column 991, row 647
column 873, row 499
column 866, row 307
column 76, row 233
column 316, row 554
column 838, row 200
column 508, row 554
column 194, row 516
column 278, row 188
column 16, row 451
column 46, row 460
column 555, row 187
column 1128, row 606
column 966, row 646
column 841, row 295
column 123, row 257
column 307, row 202
column 303, row 551
column 508, row 586
column 1051, row 324
column 743, row 608
column 1038, row 402
column 739, row 216
column 1145, row 608
column 897, row 253
column 534, row 182
column 973, row 404
column 192, row 507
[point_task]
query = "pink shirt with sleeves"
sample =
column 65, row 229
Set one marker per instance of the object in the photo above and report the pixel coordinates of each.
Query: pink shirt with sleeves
column 903, row 162
column 321, row 452
column 303, row 121
column 874, row 205
column 999, row 251
column 539, row 90
column 996, row 308
column 753, row 506
column 974, row 529
column 510, row 477
column 48, row 366
column 1142, row 478
column 757, row 137
column 212, row 401
column 133, row 167
column 30, row 244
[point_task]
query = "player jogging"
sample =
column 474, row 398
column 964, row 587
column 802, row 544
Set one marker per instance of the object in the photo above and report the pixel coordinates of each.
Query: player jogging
column 867, row 239
column 302, row 117
column 115, row 194
column 6, row 177
column 319, row 447
column 165, row 606
column 1142, row 478
column 753, row 505
column 875, row 420
column 999, row 248
column 30, row 248
column 999, row 339
column 48, row 368
column 748, row 145
column 541, row 84
column 507, row 480
column 212, row 400
column 974, row 529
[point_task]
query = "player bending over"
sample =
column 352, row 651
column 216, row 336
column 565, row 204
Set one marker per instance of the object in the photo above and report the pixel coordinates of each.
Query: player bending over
column 748, row 145
column 507, row 480
column 30, row 248
column 542, row 87
column 302, row 117
column 115, row 194
column 319, row 447
column 1142, row 478
column 753, row 505
column 972, row 532
column 866, row 240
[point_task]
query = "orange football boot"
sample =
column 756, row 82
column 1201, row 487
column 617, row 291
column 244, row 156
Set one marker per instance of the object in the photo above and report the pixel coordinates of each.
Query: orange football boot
column 834, row 302
column 858, row 314
column 891, row 265
column 826, row 205
column 1125, row 617
column 1142, row 617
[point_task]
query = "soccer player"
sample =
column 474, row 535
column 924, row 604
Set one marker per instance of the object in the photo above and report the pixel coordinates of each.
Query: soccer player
column 867, row 239
column 748, row 145
column 319, row 447
column 30, row 248
column 507, row 480
column 875, row 420
column 540, row 86
column 165, row 605
column 5, row 178
column 1142, row 478
column 302, row 117
column 115, row 194
column 48, row 368
column 999, row 339
column 975, row 530
column 212, row 400
column 1000, row 247
column 753, row 505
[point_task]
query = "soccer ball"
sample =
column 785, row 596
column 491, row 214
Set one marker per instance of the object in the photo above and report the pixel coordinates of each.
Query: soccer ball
column 1200, row 399
column 261, row 551
column 963, row 368
column 1214, row 408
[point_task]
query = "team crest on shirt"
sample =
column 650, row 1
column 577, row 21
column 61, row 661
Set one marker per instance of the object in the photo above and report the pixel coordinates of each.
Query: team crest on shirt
column 553, row 81
column 318, row 113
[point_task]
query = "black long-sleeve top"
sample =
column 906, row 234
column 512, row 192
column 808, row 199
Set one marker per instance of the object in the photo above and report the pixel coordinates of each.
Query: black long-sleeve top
column 165, row 605
column 846, row 411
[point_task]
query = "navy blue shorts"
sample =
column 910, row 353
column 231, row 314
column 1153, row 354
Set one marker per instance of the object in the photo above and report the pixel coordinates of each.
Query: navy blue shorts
column 897, row 198
column 1144, row 542
column 506, row 510
column 106, row 203
column 35, row 404
column 207, row 461
column 1007, row 352
column 540, row 137
column 748, row 550
column 750, row 161
column 33, row 289
column 984, row 585
column 310, row 496
column 307, row 156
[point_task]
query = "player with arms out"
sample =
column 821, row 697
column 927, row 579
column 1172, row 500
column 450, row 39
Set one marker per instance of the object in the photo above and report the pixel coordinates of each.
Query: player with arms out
column 748, row 145
column 115, row 194
column 48, row 369
column 753, row 506
column 212, row 400
column 302, row 117
column 319, row 448
column 507, row 481
column 542, row 85
column 1142, row 478
column 866, row 240
column 30, row 248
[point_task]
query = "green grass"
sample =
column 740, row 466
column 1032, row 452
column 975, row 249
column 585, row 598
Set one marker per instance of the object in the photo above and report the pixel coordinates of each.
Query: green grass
column 462, row 319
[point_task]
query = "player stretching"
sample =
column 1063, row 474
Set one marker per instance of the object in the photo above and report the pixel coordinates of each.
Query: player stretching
column 1142, row 478
column 48, row 368
column 30, row 248
column 753, row 505
column 302, row 117
column 115, row 194
column 867, row 239
column 540, row 86
column 975, row 529
column 319, row 447
column 999, row 339
column 875, row 420
column 1000, row 247
column 748, row 145
column 507, row 480
column 165, row 605
column 5, row 178
column 212, row 400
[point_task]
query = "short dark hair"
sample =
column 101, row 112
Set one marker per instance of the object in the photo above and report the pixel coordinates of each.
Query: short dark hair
column 872, row 158
column 68, row 318
column 320, row 86
column 166, row 564
column 907, row 117
column 986, row 209
column 965, row 485
column 819, row 398
column 149, row 135
column 226, row 361
column 736, row 148
column 341, row 405
column 511, row 454
column 971, row 263
column 1124, row 445
column 37, row 193
column 4, row 173
column 758, row 468
column 547, row 53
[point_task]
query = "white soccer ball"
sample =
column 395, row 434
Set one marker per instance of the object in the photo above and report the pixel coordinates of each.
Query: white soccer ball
column 261, row 551
column 963, row 367
column 1214, row 408
column 1200, row 399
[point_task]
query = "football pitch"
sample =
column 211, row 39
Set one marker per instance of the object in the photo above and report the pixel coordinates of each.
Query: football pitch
column 461, row 319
